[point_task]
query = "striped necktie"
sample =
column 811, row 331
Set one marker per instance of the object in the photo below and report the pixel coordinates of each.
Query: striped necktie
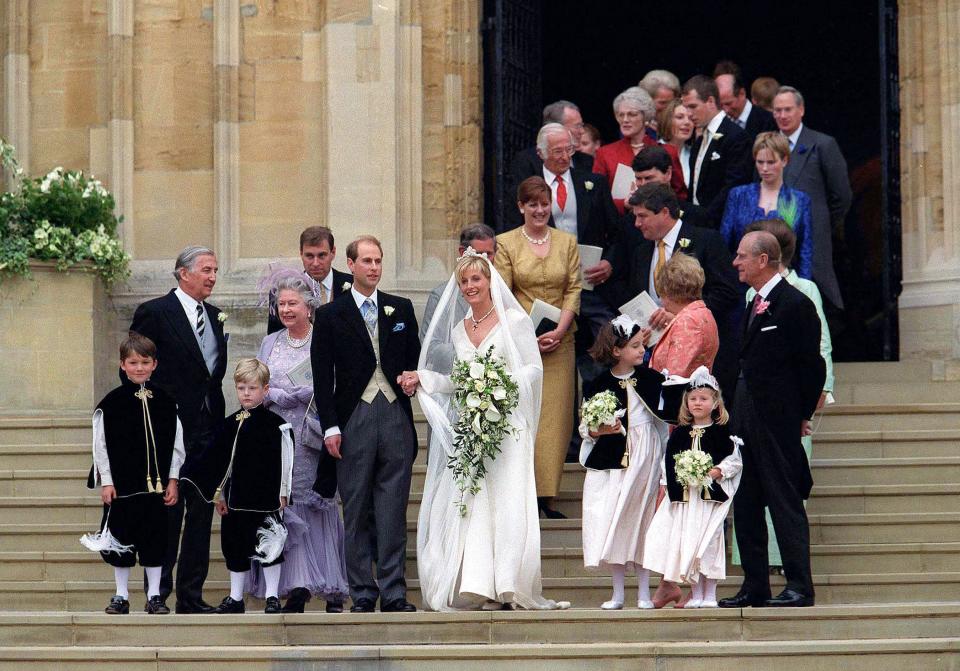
column 201, row 325
column 369, row 311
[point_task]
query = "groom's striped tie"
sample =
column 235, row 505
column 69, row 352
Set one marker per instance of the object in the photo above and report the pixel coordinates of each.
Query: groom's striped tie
column 200, row 323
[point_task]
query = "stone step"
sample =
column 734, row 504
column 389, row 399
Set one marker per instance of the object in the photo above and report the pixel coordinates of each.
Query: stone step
column 930, row 654
column 906, row 391
column 853, row 499
column 867, row 622
column 28, row 430
column 866, row 372
column 83, row 565
column 874, row 444
column 899, row 416
column 582, row 592
column 46, row 456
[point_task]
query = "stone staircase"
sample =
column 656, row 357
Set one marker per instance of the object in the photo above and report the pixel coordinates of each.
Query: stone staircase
column 885, row 533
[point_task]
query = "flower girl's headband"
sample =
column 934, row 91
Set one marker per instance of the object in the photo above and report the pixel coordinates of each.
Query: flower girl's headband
column 701, row 378
column 624, row 328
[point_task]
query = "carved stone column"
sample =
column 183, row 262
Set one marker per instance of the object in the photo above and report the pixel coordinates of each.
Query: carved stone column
column 930, row 160
column 120, row 35
column 16, row 79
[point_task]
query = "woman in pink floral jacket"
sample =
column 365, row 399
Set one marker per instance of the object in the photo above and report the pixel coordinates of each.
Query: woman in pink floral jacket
column 691, row 340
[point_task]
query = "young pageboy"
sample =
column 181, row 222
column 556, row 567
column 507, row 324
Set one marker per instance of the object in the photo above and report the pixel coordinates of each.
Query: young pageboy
column 137, row 454
column 246, row 473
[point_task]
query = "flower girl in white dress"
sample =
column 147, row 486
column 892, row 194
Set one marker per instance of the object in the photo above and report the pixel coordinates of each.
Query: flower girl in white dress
column 685, row 541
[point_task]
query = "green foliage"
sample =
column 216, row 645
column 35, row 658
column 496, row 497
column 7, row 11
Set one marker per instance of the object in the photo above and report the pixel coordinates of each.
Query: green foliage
column 65, row 217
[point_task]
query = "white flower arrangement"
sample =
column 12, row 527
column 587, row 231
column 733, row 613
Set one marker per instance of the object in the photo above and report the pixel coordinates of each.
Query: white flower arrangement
column 345, row 286
column 222, row 317
column 692, row 469
column 484, row 394
column 602, row 410
column 683, row 242
column 588, row 185
column 388, row 310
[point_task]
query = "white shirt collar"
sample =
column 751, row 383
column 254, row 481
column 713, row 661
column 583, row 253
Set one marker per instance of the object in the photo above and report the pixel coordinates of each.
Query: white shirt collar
column 794, row 137
column 671, row 237
column 188, row 302
column 360, row 298
column 549, row 177
column 768, row 287
column 745, row 114
column 715, row 122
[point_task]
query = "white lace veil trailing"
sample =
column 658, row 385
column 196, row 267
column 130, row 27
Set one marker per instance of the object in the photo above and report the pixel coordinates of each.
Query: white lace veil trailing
column 441, row 529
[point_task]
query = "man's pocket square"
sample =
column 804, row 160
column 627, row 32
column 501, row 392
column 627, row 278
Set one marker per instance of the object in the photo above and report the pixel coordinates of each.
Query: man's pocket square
column 768, row 328
column 399, row 326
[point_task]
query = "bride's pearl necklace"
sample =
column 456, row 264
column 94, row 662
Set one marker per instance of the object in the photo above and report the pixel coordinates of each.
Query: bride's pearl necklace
column 536, row 241
column 476, row 322
column 297, row 343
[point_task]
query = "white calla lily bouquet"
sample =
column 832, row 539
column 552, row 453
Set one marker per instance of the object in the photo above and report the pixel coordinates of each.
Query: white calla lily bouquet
column 692, row 468
column 602, row 410
column 484, row 394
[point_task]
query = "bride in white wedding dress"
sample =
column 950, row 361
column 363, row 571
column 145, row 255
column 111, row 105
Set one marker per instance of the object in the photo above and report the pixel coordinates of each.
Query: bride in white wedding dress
column 490, row 557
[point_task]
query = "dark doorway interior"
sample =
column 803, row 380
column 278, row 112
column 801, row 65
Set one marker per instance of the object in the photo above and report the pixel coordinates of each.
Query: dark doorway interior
column 836, row 53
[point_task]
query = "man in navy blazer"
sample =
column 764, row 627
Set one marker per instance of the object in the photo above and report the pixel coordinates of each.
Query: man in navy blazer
column 722, row 157
column 817, row 168
column 778, row 388
column 191, row 362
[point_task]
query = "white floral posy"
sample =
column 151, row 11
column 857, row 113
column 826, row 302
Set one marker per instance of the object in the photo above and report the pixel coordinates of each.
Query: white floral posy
column 222, row 317
column 683, row 242
column 388, row 310
column 588, row 185
column 346, row 286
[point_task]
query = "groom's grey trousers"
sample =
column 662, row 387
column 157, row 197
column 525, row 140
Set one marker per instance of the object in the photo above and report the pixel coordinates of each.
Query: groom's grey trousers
column 374, row 473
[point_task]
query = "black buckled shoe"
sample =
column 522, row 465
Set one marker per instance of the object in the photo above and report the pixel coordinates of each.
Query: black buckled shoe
column 743, row 600
column 156, row 606
column 789, row 598
column 362, row 606
column 272, row 606
column 299, row 597
column 199, row 607
column 117, row 606
column 397, row 606
column 230, row 606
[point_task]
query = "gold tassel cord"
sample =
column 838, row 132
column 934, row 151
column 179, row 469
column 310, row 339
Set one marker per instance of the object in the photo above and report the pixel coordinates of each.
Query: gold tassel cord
column 240, row 417
column 153, row 486
column 629, row 382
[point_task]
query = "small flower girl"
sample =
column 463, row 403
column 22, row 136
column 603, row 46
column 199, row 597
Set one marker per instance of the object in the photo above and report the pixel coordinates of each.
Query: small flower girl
column 623, row 456
column 685, row 540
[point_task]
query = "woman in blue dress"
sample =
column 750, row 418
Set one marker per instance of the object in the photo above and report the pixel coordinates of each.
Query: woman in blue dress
column 770, row 198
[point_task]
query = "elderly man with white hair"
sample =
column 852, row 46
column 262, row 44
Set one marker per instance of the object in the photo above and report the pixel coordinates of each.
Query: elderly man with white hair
column 633, row 108
column 191, row 362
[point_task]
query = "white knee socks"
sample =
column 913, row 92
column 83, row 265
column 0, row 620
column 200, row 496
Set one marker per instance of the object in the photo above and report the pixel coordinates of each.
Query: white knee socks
column 271, row 576
column 237, row 581
column 619, row 571
column 709, row 590
column 153, row 580
column 122, row 575
column 643, row 585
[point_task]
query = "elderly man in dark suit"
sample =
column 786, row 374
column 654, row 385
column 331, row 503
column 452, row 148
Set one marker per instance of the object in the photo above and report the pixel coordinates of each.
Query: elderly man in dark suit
column 364, row 340
column 317, row 252
column 721, row 158
column 778, row 388
column 817, row 168
column 191, row 362
column 658, row 234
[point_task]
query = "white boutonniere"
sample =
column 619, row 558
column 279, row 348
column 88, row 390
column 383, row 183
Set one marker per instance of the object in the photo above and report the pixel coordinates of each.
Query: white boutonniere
column 683, row 242
column 388, row 310
column 714, row 156
column 222, row 317
column 345, row 286
column 717, row 136
column 588, row 185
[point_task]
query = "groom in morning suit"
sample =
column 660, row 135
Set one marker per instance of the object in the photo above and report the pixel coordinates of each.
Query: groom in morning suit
column 364, row 339
column 781, row 377
column 191, row 362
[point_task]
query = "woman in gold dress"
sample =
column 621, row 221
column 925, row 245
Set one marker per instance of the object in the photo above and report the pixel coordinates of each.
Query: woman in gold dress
column 537, row 261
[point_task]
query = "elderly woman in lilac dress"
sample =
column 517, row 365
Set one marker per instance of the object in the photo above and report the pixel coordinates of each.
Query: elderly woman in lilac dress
column 314, row 549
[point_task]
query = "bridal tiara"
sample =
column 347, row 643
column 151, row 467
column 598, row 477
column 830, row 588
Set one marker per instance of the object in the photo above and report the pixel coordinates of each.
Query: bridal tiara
column 470, row 251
